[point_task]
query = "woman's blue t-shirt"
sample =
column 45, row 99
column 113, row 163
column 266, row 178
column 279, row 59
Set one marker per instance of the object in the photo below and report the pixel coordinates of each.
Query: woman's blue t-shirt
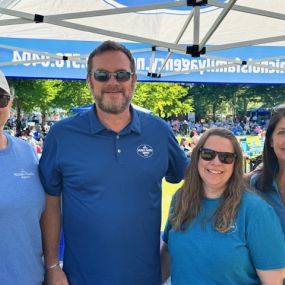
column 201, row 255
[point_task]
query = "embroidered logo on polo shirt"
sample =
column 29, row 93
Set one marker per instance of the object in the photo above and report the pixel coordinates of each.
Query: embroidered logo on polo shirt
column 145, row 150
column 23, row 174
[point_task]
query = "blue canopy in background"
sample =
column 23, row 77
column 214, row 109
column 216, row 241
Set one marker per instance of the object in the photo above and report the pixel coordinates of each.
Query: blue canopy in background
column 260, row 112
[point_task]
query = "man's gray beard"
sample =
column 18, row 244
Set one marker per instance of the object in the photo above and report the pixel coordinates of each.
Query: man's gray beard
column 114, row 110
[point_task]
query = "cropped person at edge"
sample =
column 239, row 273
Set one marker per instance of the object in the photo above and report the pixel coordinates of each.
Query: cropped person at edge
column 22, row 202
column 269, row 178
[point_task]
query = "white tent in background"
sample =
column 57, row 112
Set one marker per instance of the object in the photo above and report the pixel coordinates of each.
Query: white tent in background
column 236, row 41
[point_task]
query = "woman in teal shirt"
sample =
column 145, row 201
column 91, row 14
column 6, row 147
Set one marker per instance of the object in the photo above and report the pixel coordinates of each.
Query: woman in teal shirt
column 270, row 179
column 218, row 233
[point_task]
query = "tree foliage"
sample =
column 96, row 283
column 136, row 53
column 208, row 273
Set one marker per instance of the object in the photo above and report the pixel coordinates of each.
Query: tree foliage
column 163, row 99
column 234, row 98
column 72, row 93
column 31, row 94
column 48, row 94
column 209, row 98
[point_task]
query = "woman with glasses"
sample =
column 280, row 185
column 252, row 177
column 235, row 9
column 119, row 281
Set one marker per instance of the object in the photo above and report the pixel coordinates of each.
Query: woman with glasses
column 270, row 179
column 217, row 232
column 21, row 204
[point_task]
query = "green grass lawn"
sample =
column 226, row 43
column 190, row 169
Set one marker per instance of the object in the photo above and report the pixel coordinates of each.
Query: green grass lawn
column 167, row 191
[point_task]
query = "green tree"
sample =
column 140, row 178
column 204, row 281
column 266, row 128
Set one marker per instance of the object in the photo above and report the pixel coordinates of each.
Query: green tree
column 48, row 94
column 31, row 94
column 72, row 93
column 209, row 98
column 23, row 100
column 163, row 99
column 272, row 95
column 48, row 89
column 268, row 96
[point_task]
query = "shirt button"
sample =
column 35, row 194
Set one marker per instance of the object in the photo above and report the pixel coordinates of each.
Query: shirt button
column 119, row 151
column 117, row 137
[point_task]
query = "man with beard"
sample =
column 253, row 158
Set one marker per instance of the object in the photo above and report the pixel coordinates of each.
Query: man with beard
column 107, row 164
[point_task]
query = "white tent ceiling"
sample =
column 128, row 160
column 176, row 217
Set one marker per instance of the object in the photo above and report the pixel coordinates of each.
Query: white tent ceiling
column 244, row 40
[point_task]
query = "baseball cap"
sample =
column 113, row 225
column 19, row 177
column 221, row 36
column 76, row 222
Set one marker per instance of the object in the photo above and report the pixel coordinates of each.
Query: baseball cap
column 4, row 84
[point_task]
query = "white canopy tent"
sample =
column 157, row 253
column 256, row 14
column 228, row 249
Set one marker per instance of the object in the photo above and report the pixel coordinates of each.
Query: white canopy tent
column 231, row 41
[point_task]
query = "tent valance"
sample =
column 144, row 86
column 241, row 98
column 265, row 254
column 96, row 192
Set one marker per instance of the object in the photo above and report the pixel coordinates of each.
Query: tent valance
column 234, row 41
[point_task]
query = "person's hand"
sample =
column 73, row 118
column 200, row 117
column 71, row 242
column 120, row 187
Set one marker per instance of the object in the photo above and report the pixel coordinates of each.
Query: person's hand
column 55, row 276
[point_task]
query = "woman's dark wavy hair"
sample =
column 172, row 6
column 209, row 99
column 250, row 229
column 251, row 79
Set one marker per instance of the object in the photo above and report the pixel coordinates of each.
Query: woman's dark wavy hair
column 270, row 160
column 189, row 196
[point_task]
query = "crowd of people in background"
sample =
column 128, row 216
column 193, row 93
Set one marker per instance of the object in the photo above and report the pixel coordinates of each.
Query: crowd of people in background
column 239, row 127
column 31, row 131
column 35, row 133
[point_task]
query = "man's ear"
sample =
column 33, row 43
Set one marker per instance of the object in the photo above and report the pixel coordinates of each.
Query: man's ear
column 89, row 85
column 134, row 80
column 10, row 104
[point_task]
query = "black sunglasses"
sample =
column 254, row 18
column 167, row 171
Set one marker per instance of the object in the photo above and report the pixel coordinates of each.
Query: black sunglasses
column 224, row 157
column 4, row 100
column 121, row 76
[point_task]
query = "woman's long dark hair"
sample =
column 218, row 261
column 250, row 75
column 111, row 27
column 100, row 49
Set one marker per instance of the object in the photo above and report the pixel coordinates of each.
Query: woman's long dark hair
column 270, row 160
column 189, row 197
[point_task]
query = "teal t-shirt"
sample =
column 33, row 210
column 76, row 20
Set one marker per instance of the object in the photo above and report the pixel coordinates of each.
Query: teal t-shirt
column 201, row 255
column 272, row 197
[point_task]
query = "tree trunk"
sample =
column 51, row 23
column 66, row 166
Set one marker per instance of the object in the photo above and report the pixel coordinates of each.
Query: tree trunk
column 18, row 118
column 214, row 111
column 245, row 104
column 44, row 117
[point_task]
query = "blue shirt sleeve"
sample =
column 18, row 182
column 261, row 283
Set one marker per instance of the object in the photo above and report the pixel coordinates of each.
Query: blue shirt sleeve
column 265, row 238
column 49, row 170
column 177, row 160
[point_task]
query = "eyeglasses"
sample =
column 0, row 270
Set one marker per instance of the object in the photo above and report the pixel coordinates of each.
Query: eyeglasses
column 121, row 76
column 224, row 157
column 4, row 100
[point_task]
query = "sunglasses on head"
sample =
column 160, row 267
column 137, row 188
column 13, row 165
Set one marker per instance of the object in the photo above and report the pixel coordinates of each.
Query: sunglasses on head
column 224, row 157
column 4, row 99
column 121, row 76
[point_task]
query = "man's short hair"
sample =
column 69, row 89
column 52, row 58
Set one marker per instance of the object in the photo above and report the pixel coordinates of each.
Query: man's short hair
column 110, row 46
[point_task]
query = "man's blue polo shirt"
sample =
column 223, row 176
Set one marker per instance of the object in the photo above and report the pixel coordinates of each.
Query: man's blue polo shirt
column 111, row 189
